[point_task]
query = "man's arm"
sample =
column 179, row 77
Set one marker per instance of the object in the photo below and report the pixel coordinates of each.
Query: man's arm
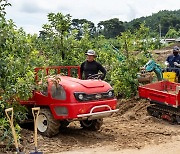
column 167, row 61
column 81, row 70
column 103, row 70
column 176, row 64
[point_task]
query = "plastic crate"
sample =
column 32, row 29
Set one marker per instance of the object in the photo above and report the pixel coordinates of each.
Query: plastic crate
column 170, row 76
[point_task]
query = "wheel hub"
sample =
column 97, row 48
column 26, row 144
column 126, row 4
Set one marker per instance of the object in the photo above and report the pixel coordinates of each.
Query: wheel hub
column 42, row 123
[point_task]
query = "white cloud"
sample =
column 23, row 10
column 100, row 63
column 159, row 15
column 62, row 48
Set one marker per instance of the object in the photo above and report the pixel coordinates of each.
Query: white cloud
column 32, row 14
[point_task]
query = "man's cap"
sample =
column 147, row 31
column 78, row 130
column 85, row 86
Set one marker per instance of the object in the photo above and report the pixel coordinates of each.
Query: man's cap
column 91, row 53
column 176, row 48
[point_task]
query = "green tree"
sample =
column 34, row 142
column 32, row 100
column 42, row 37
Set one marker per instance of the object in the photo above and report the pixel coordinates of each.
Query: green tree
column 111, row 28
column 172, row 33
column 58, row 30
column 18, row 60
column 135, row 48
column 79, row 24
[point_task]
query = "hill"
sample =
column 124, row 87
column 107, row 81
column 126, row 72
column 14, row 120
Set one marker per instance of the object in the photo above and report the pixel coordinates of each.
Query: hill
column 163, row 20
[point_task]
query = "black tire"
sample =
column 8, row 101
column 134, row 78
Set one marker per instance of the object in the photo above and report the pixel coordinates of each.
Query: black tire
column 63, row 124
column 93, row 125
column 46, row 123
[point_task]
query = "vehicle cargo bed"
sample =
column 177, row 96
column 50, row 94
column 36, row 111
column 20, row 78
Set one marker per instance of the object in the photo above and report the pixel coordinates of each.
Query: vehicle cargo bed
column 165, row 92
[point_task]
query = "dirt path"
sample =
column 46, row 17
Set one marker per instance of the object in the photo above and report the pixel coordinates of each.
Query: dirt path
column 167, row 148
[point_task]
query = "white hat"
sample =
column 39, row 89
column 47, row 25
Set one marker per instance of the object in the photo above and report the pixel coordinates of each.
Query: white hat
column 176, row 49
column 91, row 52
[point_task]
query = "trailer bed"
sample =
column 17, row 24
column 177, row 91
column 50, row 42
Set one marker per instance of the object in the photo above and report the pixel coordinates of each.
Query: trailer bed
column 164, row 92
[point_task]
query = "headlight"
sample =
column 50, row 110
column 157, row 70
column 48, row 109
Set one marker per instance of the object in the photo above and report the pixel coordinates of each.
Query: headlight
column 110, row 93
column 80, row 96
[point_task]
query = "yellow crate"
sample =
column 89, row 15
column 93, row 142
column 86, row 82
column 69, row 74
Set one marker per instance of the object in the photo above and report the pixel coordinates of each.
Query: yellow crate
column 170, row 76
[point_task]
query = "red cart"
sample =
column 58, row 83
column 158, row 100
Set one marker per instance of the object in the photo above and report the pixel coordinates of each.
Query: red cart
column 164, row 97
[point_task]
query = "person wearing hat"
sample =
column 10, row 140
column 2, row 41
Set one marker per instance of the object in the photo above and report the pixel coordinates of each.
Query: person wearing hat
column 174, row 59
column 91, row 66
column 173, row 62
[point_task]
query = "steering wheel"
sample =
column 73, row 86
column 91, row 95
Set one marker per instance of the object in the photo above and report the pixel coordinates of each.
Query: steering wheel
column 95, row 76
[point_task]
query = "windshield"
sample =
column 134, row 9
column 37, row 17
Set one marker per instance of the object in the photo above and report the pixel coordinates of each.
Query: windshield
column 58, row 92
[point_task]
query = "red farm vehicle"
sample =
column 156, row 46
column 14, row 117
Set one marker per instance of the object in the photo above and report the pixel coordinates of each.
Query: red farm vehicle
column 164, row 97
column 69, row 99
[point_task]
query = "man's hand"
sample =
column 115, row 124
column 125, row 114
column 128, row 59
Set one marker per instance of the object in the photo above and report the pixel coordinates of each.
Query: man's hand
column 176, row 64
column 167, row 64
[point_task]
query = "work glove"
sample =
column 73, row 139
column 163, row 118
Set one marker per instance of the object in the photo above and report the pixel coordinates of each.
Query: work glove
column 167, row 64
column 176, row 64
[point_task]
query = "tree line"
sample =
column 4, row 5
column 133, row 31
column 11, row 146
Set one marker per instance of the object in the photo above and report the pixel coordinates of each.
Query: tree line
column 159, row 24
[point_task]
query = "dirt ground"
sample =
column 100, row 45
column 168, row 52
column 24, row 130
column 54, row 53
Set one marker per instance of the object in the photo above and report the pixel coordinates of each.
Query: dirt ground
column 130, row 131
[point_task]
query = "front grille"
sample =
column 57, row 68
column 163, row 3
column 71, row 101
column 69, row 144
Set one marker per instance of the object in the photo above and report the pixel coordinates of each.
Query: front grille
column 80, row 96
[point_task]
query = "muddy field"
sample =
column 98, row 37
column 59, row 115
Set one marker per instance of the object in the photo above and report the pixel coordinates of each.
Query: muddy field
column 130, row 129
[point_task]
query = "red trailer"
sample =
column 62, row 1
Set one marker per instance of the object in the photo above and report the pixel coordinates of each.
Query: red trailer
column 164, row 97
column 68, row 98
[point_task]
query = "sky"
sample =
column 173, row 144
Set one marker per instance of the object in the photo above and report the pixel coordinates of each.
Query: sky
column 32, row 14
